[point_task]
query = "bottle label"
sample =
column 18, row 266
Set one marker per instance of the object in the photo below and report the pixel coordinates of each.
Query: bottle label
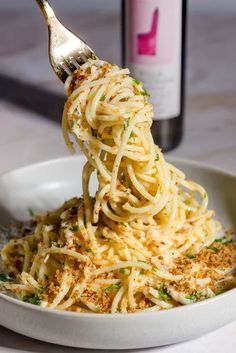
column 154, row 52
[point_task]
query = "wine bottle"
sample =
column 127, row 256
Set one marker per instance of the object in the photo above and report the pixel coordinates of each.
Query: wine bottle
column 153, row 47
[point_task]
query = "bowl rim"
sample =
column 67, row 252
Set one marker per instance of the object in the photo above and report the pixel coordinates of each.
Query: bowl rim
column 64, row 313
column 170, row 159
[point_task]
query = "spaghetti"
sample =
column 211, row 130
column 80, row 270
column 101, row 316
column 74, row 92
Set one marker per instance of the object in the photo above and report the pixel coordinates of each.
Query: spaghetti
column 146, row 241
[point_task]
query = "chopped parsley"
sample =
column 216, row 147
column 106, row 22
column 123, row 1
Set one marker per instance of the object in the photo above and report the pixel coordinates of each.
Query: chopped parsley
column 191, row 297
column 157, row 158
column 132, row 134
column 164, row 295
column 189, row 256
column 75, row 228
column 162, row 291
column 98, row 309
column 136, row 82
column 111, row 287
column 213, row 248
column 141, row 272
column 126, row 123
column 145, row 92
column 5, row 278
column 54, row 244
column 103, row 97
column 219, row 286
column 194, row 297
column 224, row 240
column 31, row 212
column 122, row 271
column 42, row 289
column 35, row 300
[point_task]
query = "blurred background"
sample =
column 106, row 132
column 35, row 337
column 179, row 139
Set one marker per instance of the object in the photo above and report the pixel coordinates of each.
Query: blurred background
column 31, row 97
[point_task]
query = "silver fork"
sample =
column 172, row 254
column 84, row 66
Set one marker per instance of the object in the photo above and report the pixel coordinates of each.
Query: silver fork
column 66, row 51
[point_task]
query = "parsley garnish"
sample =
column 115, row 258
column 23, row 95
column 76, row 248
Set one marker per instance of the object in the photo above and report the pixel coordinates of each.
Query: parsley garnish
column 103, row 97
column 145, row 92
column 164, row 295
column 136, row 82
column 189, row 256
column 35, row 300
column 194, row 297
column 132, row 134
column 113, row 286
column 31, row 212
column 213, row 248
column 224, row 240
column 75, row 228
column 157, row 158
column 141, row 272
column 54, row 243
column 122, row 270
column 191, row 297
column 42, row 289
column 219, row 286
column 126, row 123
column 5, row 278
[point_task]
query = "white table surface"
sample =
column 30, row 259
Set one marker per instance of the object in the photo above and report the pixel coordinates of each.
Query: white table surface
column 210, row 133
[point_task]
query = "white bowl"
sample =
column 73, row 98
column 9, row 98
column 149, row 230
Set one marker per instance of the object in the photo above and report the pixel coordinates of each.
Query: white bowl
column 47, row 185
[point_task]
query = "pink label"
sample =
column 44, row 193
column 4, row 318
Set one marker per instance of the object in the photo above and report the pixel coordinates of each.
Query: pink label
column 154, row 31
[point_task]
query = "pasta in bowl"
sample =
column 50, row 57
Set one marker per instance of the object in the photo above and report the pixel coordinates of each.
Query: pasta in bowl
column 46, row 186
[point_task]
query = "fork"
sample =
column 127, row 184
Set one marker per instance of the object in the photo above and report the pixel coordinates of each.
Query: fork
column 66, row 51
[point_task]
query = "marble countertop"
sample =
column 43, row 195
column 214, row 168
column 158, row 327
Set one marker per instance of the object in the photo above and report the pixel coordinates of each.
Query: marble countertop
column 30, row 123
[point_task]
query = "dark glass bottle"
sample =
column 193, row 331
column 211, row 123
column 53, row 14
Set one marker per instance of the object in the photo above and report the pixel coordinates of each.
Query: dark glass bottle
column 153, row 47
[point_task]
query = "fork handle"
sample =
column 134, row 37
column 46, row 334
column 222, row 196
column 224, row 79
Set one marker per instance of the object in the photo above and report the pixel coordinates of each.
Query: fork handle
column 47, row 11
